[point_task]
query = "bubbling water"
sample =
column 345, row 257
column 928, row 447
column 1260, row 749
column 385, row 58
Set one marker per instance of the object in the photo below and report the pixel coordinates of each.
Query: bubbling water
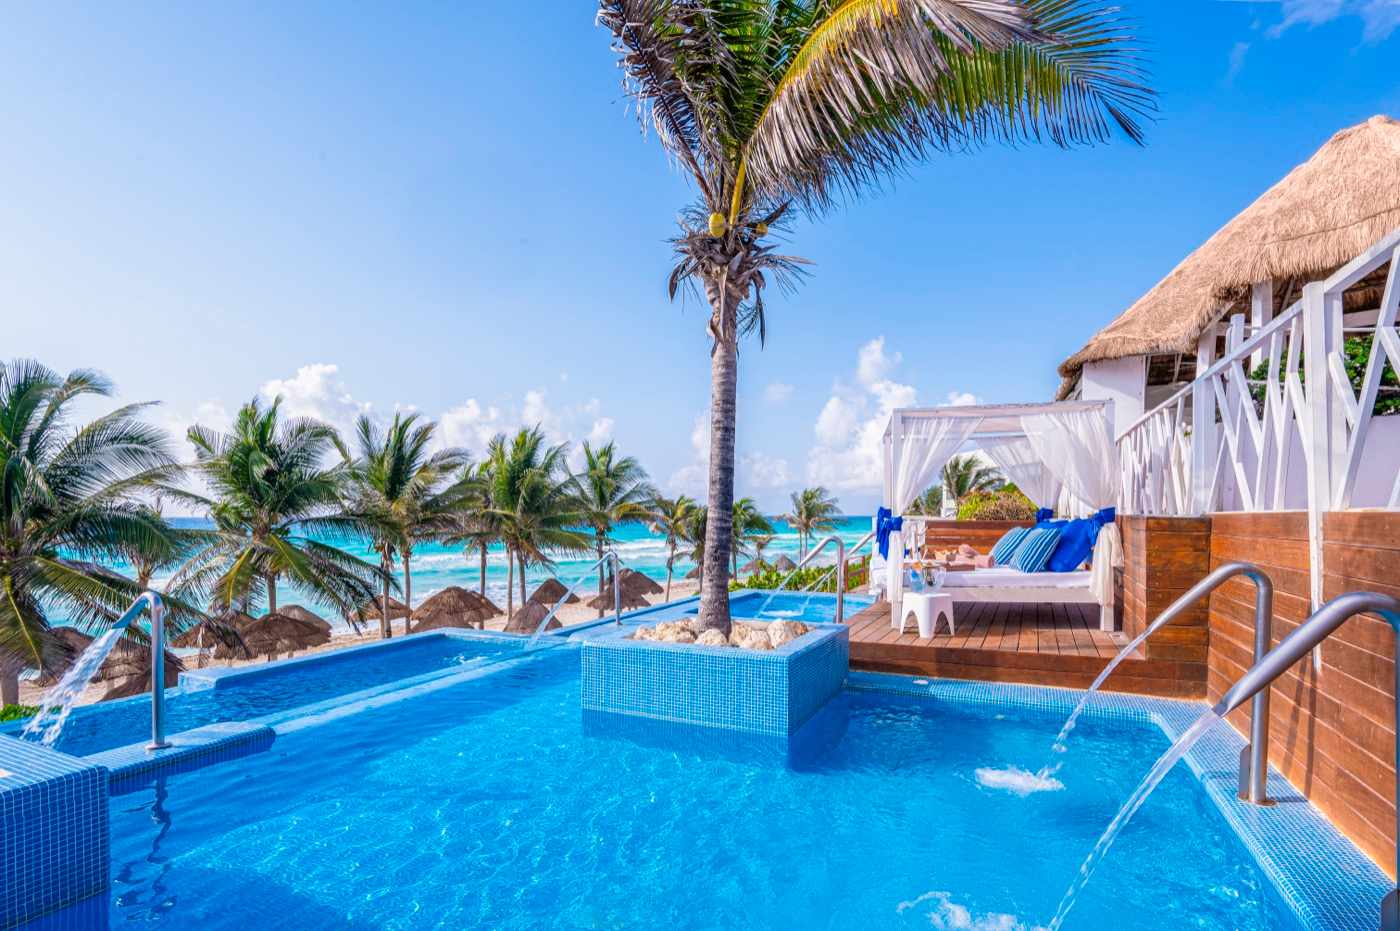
column 59, row 701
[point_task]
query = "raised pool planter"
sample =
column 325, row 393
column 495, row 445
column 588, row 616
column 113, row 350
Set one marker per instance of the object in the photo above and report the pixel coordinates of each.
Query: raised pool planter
column 771, row 692
column 54, row 847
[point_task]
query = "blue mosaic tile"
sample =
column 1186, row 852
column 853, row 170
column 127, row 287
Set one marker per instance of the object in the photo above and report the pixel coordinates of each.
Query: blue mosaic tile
column 1322, row 877
column 132, row 767
column 771, row 692
column 54, row 845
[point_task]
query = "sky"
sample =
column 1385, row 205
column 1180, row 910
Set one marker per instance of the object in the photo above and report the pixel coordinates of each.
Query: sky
column 451, row 208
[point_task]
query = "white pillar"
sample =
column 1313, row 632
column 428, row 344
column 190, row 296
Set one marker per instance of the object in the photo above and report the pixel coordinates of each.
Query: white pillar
column 1261, row 313
column 1203, row 438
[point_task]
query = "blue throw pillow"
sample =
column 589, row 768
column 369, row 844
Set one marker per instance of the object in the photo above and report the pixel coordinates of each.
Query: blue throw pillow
column 1034, row 552
column 1076, row 544
column 1006, row 546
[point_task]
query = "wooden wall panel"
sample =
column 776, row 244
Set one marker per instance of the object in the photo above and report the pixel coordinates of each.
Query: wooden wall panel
column 1333, row 729
column 981, row 535
column 1162, row 558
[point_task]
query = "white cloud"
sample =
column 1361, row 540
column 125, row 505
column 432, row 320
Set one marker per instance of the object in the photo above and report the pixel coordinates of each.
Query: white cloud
column 761, row 471
column 472, row 424
column 755, row 471
column 1237, row 57
column 317, row 391
column 850, row 427
column 962, row 399
column 692, row 478
column 1379, row 18
column 777, row 392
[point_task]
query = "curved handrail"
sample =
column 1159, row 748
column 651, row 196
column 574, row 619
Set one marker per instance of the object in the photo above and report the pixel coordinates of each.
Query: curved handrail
column 840, row 572
column 610, row 555
column 1320, row 625
column 856, row 548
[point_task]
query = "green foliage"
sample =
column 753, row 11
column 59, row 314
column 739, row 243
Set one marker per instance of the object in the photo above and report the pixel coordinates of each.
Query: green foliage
column 1357, row 355
column 17, row 712
column 1004, row 504
column 857, row 573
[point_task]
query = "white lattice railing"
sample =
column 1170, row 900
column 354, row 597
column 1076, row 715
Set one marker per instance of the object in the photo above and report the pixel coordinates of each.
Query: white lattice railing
column 1229, row 442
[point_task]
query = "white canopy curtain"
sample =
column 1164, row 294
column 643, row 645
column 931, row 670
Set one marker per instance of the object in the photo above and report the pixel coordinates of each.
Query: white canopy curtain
column 1015, row 456
column 915, row 455
column 1077, row 447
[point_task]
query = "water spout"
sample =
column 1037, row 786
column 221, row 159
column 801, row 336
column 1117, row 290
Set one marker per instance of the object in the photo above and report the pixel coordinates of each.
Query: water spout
column 58, row 702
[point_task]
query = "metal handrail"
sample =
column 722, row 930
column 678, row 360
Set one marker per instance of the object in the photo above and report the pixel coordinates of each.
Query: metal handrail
column 152, row 601
column 1320, row 625
column 1254, row 758
column 610, row 555
column 856, row 548
column 840, row 572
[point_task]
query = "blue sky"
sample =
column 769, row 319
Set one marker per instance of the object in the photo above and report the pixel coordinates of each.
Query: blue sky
column 450, row 207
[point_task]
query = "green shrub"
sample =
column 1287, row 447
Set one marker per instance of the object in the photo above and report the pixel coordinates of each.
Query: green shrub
column 17, row 712
column 1006, row 504
column 857, row 571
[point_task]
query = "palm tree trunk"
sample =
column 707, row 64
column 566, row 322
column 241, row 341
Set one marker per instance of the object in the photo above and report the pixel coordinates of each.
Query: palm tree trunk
column 510, row 585
column 724, row 384
column 522, row 580
column 670, row 563
column 483, row 570
column 385, row 632
column 9, row 682
column 272, row 593
column 599, row 545
column 407, row 591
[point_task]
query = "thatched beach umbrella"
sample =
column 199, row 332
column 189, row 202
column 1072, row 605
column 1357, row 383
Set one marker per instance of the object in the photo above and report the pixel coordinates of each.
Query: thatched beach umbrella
column 630, row 599
column 784, row 564
column 527, row 619
column 274, row 634
column 453, row 607
column 752, row 566
column 549, row 593
column 310, row 617
column 128, row 660
column 693, row 573
column 374, row 610
column 208, row 634
column 632, row 580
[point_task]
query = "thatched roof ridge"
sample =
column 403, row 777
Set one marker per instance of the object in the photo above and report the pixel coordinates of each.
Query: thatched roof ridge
column 454, row 606
column 1320, row 215
column 550, row 591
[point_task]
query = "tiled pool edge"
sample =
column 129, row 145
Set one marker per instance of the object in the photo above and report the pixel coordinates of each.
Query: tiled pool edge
column 1319, row 875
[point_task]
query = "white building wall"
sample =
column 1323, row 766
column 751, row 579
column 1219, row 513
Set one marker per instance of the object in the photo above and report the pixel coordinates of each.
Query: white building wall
column 1122, row 381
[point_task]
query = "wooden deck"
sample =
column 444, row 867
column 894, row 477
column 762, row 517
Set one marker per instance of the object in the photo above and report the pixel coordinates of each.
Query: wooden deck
column 1038, row 644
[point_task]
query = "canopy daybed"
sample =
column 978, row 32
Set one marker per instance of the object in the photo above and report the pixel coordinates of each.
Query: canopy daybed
column 1061, row 455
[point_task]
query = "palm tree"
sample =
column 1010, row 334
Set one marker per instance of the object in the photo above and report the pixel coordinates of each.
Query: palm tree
column 271, row 486
column 404, row 492
column 928, row 504
column 813, row 510
column 477, row 526
column 775, row 104
column 761, row 543
column 694, row 529
column 963, row 475
column 669, row 517
column 748, row 520
column 70, row 498
column 610, row 490
column 534, row 499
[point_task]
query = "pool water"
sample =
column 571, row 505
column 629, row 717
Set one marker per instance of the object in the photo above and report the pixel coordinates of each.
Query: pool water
column 490, row 805
column 114, row 724
column 815, row 607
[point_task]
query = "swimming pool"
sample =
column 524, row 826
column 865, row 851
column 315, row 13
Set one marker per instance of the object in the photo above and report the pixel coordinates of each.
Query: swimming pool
column 490, row 805
column 255, row 691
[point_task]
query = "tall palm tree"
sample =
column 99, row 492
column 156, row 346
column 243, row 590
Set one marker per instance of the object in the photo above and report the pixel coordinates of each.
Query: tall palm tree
column 405, row 492
column 761, row 543
column 748, row 521
column 669, row 517
column 813, row 510
column 272, row 486
column 929, row 504
column 963, row 475
column 70, row 498
column 476, row 526
column 533, row 497
column 771, row 105
column 694, row 527
column 610, row 490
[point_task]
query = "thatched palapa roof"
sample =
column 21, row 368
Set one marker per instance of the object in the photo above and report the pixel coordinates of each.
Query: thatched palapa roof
column 630, row 598
column 453, row 607
column 374, row 610
column 527, row 619
column 549, row 593
column 272, row 635
column 1322, row 214
column 310, row 617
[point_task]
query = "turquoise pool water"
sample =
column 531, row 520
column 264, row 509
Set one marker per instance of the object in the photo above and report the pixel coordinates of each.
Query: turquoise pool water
column 491, row 805
column 103, row 726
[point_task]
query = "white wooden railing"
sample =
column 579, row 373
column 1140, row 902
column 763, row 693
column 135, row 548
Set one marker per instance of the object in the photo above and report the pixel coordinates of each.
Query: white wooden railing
column 1214, row 446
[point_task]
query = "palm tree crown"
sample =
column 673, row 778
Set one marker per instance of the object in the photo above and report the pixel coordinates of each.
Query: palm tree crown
column 69, row 497
column 670, row 517
column 771, row 104
column 271, row 485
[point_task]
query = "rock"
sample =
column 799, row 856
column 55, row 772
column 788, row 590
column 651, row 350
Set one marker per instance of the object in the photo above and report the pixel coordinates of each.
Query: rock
column 758, row 640
column 644, row 633
column 738, row 633
column 674, row 632
column 712, row 638
column 781, row 632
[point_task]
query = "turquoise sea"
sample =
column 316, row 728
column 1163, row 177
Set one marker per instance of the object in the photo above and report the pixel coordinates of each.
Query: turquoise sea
column 436, row 566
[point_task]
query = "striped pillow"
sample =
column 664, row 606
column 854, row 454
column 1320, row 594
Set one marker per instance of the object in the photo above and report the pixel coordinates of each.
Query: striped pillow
column 1034, row 552
column 1006, row 546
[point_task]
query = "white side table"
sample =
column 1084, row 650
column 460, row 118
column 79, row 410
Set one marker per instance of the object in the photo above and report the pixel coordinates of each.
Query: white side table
column 928, row 607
